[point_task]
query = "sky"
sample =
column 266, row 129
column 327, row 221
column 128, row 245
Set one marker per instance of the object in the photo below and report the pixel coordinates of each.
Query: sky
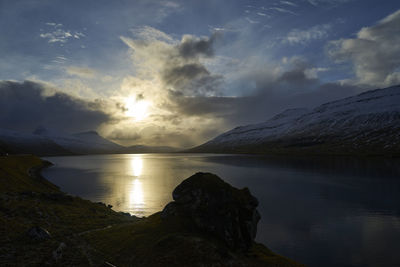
column 178, row 73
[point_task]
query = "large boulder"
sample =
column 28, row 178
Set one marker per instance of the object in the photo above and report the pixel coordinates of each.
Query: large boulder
column 216, row 207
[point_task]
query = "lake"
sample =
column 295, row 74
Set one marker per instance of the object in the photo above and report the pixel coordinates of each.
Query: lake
column 325, row 211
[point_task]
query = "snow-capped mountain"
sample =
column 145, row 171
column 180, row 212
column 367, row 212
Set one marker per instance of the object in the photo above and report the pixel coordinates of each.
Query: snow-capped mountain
column 368, row 123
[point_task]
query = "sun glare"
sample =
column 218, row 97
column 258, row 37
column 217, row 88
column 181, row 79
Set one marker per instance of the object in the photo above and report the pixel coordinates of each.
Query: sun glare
column 136, row 109
column 136, row 189
column 136, row 194
column 137, row 166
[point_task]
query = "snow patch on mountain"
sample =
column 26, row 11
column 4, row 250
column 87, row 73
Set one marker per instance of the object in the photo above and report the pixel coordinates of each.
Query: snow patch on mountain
column 372, row 116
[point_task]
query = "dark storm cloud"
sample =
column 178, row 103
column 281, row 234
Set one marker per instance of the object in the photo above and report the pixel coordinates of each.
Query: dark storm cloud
column 191, row 79
column 185, row 73
column 206, row 106
column 296, row 87
column 191, row 47
column 291, row 89
column 180, row 65
column 25, row 106
column 296, row 78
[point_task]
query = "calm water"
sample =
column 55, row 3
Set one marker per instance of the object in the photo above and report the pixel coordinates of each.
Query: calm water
column 330, row 212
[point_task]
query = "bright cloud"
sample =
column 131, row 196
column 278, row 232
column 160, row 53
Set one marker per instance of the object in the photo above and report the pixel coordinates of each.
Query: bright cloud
column 374, row 53
column 168, row 71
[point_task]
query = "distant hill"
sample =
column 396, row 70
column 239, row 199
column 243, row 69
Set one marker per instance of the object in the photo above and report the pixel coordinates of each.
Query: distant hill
column 21, row 143
column 368, row 123
column 81, row 143
column 152, row 149
column 46, row 142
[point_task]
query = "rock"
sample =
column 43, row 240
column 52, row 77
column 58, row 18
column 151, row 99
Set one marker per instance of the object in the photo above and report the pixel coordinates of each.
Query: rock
column 218, row 208
column 38, row 233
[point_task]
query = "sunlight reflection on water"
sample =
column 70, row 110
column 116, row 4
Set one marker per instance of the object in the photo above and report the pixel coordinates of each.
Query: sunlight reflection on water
column 136, row 195
column 137, row 165
column 135, row 190
column 132, row 183
column 340, row 209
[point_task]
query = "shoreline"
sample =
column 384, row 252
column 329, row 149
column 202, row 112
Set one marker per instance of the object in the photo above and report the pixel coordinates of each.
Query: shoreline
column 81, row 232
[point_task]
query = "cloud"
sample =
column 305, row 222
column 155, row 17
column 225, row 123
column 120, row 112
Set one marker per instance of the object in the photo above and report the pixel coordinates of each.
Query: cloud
column 275, row 90
column 316, row 32
column 206, row 106
column 191, row 80
column 281, row 10
column 374, row 53
column 59, row 35
column 25, row 106
column 122, row 135
column 166, row 8
column 252, row 21
column 82, row 72
column 170, row 73
column 60, row 59
column 327, row 2
column 189, row 100
column 166, row 130
column 53, row 24
column 170, row 4
column 313, row 72
column 191, row 46
column 288, row 3
column 149, row 34
column 178, row 65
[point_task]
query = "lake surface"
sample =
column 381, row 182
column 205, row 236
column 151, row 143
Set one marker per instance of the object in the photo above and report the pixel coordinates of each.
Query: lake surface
column 318, row 211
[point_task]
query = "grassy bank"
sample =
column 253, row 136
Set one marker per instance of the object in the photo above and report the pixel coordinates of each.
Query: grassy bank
column 83, row 233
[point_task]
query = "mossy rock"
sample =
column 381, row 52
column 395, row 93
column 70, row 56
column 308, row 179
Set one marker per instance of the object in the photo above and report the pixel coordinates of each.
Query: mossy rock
column 216, row 207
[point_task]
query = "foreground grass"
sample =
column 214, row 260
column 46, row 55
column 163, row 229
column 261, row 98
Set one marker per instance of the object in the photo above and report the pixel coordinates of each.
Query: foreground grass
column 90, row 234
column 28, row 200
column 157, row 242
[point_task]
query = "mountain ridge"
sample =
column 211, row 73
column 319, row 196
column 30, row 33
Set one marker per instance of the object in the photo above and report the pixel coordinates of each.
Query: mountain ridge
column 367, row 123
column 47, row 142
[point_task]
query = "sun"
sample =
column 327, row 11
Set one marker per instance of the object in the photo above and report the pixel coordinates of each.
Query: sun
column 137, row 109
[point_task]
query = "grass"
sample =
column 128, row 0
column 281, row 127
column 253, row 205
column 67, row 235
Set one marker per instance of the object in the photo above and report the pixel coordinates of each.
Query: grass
column 89, row 234
column 28, row 200
column 157, row 242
